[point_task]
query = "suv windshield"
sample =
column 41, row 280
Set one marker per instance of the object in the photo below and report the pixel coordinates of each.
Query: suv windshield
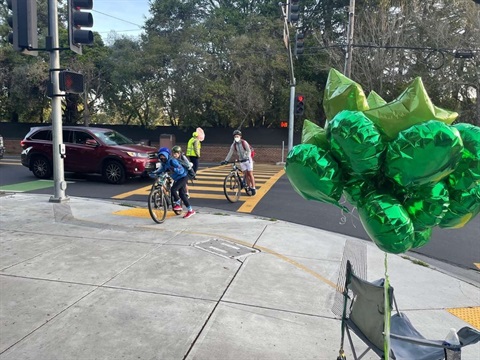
column 112, row 137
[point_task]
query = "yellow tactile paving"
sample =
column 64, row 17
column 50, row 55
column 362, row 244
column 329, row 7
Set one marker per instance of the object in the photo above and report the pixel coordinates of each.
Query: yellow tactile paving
column 470, row 315
column 140, row 212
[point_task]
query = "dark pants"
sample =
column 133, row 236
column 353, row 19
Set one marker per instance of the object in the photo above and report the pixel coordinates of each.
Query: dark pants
column 194, row 160
column 179, row 187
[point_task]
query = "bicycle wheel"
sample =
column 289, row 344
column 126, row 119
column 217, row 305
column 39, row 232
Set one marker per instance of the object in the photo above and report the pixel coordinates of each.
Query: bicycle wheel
column 231, row 187
column 157, row 206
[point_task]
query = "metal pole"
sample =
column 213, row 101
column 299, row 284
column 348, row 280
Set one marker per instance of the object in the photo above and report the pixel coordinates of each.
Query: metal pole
column 348, row 56
column 291, row 118
column 58, row 146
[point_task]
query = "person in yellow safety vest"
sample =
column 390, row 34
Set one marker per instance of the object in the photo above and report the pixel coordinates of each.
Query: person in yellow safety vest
column 193, row 150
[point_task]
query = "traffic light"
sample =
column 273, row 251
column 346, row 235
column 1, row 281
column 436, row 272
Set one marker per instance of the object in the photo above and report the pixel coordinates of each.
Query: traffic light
column 71, row 82
column 299, row 104
column 23, row 22
column 78, row 19
column 293, row 13
column 299, row 45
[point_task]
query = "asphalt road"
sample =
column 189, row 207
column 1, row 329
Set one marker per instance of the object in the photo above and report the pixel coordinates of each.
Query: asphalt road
column 456, row 250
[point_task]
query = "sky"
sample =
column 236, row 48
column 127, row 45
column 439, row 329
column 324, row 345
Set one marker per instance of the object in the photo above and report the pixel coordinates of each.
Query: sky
column 126, row 17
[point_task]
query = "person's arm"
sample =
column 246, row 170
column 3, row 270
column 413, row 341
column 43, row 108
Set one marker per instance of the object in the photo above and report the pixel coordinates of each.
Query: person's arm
column 230, row 153
column 196, row 147
column 176, row 167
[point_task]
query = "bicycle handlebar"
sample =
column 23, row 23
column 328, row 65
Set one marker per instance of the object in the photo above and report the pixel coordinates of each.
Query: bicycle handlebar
column 235, row 161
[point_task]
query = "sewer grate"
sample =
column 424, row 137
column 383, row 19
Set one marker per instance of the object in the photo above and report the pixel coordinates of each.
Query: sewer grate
column 225, row 248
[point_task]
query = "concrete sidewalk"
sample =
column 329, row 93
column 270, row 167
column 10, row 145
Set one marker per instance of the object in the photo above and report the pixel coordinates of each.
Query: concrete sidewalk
column 91, row 279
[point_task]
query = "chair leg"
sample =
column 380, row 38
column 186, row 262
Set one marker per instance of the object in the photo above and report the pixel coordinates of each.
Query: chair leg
column 355, row 357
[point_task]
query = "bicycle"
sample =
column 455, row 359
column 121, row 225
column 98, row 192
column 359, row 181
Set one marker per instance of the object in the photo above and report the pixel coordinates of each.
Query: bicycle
column 160, row 198
column 234, row 183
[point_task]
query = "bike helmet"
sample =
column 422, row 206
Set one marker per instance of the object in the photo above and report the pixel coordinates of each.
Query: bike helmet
column 237, row 132
column 176, row 149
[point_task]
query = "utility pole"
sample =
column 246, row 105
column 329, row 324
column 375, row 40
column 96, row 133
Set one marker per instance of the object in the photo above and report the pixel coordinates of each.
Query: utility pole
column 348, row 55
column 57, row 136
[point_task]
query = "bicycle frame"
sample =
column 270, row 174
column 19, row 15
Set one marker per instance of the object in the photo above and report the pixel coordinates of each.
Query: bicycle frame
column 234, row 183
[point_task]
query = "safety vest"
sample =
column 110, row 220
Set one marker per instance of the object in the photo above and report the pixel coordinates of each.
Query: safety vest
column 191, row 147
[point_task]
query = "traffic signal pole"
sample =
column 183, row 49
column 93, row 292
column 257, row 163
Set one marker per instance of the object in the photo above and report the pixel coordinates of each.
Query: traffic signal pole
column 291, row 118
column 57, row 136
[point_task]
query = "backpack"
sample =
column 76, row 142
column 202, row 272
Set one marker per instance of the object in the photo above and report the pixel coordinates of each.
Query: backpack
column 187, row 165
column 251, row 148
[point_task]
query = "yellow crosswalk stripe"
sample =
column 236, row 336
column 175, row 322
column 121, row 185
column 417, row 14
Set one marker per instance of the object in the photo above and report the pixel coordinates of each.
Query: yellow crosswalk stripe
column 209, row 185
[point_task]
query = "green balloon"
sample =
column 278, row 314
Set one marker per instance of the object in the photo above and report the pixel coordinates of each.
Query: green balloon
column 412, row 107
column 374, row 100
column 356, row 143
column 464, row 206
column 427, row 206
column 314, row 174
column 387, row 223
column 342, row 93
column 423, row 154
column 355, row 190
column 314, row 134
column 467, row 172
column 422, row 238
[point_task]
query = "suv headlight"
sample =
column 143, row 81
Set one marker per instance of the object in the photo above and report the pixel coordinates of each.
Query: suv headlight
column 137, row 154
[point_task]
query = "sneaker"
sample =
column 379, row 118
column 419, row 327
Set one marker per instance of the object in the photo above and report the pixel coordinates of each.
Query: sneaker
column 189, row 213
column 177, row 208
column 253, row 191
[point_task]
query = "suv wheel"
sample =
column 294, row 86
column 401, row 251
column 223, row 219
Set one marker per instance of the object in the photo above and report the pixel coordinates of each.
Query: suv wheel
column 41, row 167
column 113, row 172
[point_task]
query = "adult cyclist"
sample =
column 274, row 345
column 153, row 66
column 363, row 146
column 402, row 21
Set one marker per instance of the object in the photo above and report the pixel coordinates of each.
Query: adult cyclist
column 242, row 148
column 169, row 162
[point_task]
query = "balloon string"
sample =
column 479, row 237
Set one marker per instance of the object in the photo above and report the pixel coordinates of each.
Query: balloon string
column 387, row 312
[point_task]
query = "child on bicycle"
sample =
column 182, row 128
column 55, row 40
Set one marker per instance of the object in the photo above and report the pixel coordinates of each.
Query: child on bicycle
column 244, row 153
column 169, row 162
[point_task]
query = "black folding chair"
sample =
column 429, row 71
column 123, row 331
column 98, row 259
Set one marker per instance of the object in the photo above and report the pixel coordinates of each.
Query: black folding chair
column 364, row 315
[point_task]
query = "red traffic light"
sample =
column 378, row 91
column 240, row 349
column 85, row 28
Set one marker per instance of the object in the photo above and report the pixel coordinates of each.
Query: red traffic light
column 300, row 98
column 284, row 124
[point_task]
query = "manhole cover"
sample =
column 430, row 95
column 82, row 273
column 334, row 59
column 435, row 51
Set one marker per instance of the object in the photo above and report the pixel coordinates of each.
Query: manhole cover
column 225, row 248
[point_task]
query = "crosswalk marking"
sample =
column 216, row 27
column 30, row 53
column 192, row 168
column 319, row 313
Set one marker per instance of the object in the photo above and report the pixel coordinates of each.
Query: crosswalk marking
column 209, row 185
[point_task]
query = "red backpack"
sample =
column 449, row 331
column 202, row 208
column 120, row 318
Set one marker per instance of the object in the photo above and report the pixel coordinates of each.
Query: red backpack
column 251, row 148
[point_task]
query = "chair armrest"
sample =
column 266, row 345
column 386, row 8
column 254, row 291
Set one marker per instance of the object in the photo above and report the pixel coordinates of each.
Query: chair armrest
column 426, row 342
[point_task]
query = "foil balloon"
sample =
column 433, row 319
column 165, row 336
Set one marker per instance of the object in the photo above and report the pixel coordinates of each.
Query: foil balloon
column 314, row 174
column 356, row 190
column 423, row 154
column 314, row 134
column 422, row 238
column 467, row 172
column 427, row 206
column 464, row 206
column 412, row 107
column 341, row 93
column 356, row 143
column 387, row 223
column 374, row 100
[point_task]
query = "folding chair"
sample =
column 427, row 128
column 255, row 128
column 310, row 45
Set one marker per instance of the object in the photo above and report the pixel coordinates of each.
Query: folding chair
column 364, row 315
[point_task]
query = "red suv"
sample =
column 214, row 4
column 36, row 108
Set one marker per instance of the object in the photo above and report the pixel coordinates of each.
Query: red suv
column 88, row 150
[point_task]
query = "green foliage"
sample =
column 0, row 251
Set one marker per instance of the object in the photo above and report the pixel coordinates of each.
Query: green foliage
column 224, row 63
